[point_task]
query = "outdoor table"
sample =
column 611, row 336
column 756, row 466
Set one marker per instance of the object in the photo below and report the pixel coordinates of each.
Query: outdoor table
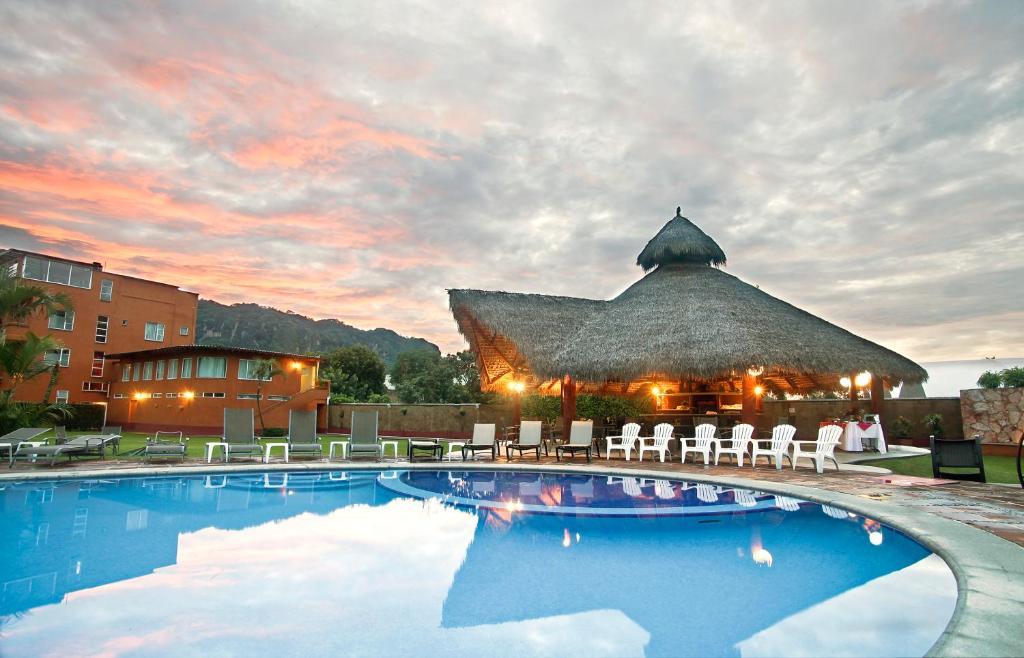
column 433, row 445
column 854, row 433
column 270, row 446
column 334, row 444
column 389, row 443
column 210, row 448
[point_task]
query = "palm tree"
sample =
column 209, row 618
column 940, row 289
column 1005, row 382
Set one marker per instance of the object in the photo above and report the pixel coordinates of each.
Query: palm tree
column 23, row 360
column 263, row 370
column 19, row 301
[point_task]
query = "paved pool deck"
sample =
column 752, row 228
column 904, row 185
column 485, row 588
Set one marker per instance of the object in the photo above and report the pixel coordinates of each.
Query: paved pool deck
column 978, row 529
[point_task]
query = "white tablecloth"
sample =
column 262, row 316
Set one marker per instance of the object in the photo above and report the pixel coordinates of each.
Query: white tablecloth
column 853, row 437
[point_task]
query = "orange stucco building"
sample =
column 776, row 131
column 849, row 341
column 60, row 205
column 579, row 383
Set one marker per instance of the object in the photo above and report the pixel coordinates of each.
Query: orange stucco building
column 187, row 387
column 110, row 313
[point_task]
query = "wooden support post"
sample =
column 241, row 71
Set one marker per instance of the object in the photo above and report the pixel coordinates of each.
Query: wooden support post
column 853, row 389
column 877, row 393
column 568, row 405
column 517, row 409
column 749, row 413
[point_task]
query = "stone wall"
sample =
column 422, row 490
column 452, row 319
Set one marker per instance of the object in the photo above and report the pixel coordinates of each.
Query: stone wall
column 441, row 420
column 997, row 414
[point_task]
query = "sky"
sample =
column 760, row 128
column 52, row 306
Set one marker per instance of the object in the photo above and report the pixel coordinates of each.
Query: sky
column 864, row 161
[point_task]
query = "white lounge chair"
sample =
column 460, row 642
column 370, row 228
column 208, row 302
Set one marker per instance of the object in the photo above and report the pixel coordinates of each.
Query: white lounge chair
column 705, row 434
column 630, row 486
column 744, row 497
column 782, row 435
column 662, row 435
column 530, row 438
column 663, row 489
column 738, row 440
column 624, row 442
column 823, row 450
column 787, row 504
column 581, row 439
column 484, row 438
column 834, row 512
column 706, row 493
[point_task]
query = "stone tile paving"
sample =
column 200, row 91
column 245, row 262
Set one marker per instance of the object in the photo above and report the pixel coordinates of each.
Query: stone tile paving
column 998, row 509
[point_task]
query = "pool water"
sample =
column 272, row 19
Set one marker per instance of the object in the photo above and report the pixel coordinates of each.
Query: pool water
column 455, row 564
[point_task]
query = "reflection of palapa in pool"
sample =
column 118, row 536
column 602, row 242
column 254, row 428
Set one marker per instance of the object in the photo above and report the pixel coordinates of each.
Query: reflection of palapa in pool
column 565, row 582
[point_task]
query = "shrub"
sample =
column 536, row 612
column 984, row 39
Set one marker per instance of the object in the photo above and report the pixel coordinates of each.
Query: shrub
column 1012, row 377
column 274, row 432
column 544, row 407
column 378, row 398
column 901, row 427
column 341, row 398
column 989, row 379
column 934, row 424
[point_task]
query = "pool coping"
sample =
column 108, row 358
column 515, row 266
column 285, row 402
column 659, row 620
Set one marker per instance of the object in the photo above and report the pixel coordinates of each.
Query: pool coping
column 989, row 570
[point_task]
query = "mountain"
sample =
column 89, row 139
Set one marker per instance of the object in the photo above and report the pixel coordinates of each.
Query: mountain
column 260, row 327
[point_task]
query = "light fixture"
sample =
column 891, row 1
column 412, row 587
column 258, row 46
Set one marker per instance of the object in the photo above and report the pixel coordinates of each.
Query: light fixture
column 758, row 390
column 140, row 396
column 755, row 371
column 863, row 379
column 516, row 387
column 844, row 382
column 296, row 365
column 188, row 395
column 655, row 391
column 761, row 556
column 875, row 538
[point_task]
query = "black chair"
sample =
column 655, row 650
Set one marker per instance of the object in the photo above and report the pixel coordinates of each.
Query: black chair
column 957, row 454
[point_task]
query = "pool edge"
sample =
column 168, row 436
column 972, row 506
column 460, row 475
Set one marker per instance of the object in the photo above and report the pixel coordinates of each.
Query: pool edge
column 989, row 570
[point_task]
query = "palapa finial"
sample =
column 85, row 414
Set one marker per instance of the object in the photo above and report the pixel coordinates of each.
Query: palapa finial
column 679, row 211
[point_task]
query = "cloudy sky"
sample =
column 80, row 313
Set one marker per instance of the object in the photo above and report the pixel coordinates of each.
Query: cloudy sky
column 353, row 160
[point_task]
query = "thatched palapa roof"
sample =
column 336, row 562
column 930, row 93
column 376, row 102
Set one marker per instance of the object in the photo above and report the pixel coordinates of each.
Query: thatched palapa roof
column 685, row 320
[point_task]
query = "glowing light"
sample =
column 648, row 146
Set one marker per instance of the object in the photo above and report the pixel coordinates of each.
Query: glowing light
column 188, row 395
column 296, row 365
column 863, row 379
column 577, row 537
column 875, row 538
column 655, row 391
column 755, row 371
column 566, row 539
column 845, row 382
column 758, row 390
column 761, row 556
column 516, row 387
column 140, row 396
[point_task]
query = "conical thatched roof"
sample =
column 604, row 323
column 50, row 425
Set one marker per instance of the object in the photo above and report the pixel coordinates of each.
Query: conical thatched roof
column 680, row 241
column 684, row 320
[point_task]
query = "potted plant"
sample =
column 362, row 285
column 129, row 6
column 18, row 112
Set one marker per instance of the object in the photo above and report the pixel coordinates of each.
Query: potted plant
column 934, row 424
column 901, row 427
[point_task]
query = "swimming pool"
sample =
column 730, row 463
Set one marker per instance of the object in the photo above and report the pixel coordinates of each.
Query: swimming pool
column 448, row 563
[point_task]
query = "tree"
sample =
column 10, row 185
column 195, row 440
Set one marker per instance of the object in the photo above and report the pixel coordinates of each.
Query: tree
column 422, row 376
column 263, row 370
column 355, row 372
column 19, row 302
column 20, row 361
column 989, row 379
column 1012, row 377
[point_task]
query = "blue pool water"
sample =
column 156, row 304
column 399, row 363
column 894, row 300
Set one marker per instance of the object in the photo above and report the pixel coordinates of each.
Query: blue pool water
column 452, row 563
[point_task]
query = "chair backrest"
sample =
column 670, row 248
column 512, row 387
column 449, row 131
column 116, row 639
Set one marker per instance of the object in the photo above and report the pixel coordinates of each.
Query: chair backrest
column 239, row 426
column 530, row 433
column 172, row 437
column 111, row 429
column 706, row 493
column 742, row 432
column 630, row 433
column 302, row 426
column 61, row 432
column 23, row 434
column 664, row 489
column 744, row 497
column 957, row 454
column 483, row 434
column 828, row 439
column 581, row 433
column 703, row 434
column 631, row 487
column 782, row 435
column 662, row 434
column 364, row 428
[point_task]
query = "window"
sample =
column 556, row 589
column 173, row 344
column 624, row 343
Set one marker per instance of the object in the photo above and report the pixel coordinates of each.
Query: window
column 95, row 387
column 61, row 356
column 157, row 395
column 102, row 324
column 62, row 395
column 183, row 331
column 53, row 271
column 155, row 332
column 147, row 371
column 97, row 364
column 248, row 396
column 160, row 365
column 124, row 323
column 213, row 395
column 170, row 395
column 172, row 369
column 186, row 368
column 106, row 290
column 136, row 372
column 247, row 369
column 126, row 372
column 62, row 320
column 12, row 270
column 212, row 367
column 279, row 398
column 118, row 396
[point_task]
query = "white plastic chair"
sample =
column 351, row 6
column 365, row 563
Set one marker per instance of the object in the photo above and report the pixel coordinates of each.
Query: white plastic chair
column 662, row 435
column 630, row 486
column 706, row 493
column 738, row 442
column 663, row 489
column 782, row 436
column 744, row 497
column 625, row 441
column 834, row 512
column 824, row 448
column 705, row 434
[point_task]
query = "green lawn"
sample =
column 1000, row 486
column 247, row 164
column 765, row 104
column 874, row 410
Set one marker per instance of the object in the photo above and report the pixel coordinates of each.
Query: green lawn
column 997, row 469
